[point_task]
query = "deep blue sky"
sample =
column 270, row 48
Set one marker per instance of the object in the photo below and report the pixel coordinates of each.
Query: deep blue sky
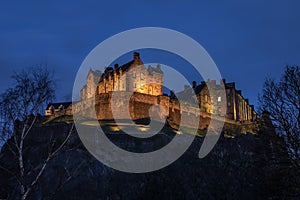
column 248, row 40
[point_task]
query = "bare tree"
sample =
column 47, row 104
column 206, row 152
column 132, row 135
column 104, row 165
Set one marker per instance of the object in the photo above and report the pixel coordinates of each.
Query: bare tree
column 282, row 100
column 33, row 88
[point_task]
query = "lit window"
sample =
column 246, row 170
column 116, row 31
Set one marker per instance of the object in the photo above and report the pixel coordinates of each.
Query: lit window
column 206, row 98
column 142, row 76
column 219, row 99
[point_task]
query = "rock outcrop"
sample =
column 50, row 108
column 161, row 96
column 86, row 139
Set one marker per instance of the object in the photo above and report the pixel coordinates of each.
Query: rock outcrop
column 248, row 166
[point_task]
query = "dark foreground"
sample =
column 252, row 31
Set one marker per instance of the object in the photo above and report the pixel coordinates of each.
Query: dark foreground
column 245, row 167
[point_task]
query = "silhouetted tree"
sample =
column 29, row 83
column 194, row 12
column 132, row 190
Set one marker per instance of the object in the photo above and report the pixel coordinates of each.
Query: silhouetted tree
column 20, row 106
column 282, row 100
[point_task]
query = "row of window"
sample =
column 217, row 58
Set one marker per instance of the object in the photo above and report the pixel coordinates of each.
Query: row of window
column 142, row 76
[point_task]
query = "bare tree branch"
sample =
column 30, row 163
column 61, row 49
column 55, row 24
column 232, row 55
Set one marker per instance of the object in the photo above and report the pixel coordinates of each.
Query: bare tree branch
column 33, row 89
column 282, row 100
column 49, row 157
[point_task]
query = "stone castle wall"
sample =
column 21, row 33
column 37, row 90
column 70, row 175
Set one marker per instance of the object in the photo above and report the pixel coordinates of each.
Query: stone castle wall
column 140, row 105
column 122, row 105
column 108, row 107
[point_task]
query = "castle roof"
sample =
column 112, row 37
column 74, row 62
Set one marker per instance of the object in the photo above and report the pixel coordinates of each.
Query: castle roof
column 125, row 67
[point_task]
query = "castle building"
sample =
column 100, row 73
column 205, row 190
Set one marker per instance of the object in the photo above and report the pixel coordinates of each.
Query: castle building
column 132, row 77
column 146, row 85
column 237, row 108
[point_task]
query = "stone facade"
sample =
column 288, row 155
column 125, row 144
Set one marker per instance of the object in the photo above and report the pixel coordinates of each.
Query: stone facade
column 136, row 89
column 89, row 89
column 132, row 77
column 237, row 108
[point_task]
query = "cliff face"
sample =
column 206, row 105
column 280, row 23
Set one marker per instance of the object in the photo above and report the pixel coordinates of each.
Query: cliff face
column 245, row 167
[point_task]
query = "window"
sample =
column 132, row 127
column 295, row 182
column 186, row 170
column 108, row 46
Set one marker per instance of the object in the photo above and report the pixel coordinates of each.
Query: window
column 219, row 99
column 134, row 85
column 142, row 76
column 228, row 91
column 206, row 98
column 229, row 104
column 134, row 74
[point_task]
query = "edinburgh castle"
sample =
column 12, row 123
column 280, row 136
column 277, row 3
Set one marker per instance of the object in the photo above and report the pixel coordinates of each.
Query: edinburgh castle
column 143, row 86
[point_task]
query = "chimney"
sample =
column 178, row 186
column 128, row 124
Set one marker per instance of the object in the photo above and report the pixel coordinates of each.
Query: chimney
column 158, row 66
column 116, row 66
column 194, row 84
column 136, row 56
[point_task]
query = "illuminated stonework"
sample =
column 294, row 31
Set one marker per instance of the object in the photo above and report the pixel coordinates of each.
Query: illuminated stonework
column 132, row 77
column 237, row 108
column 143, row 86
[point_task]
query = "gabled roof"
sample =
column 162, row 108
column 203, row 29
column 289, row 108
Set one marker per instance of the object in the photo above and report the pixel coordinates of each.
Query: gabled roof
column 110, row 70
column 56, row 105
column 126, row 66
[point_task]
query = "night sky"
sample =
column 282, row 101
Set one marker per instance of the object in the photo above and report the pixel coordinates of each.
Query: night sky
column 248, row 40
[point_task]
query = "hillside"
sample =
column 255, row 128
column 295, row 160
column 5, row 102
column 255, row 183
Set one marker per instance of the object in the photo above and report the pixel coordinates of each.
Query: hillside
column 248, row 166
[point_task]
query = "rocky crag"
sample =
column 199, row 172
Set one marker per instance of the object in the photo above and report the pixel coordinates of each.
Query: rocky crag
column 244, row 166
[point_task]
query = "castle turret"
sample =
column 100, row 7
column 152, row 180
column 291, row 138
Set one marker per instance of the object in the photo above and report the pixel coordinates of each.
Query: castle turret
column 136, row 56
